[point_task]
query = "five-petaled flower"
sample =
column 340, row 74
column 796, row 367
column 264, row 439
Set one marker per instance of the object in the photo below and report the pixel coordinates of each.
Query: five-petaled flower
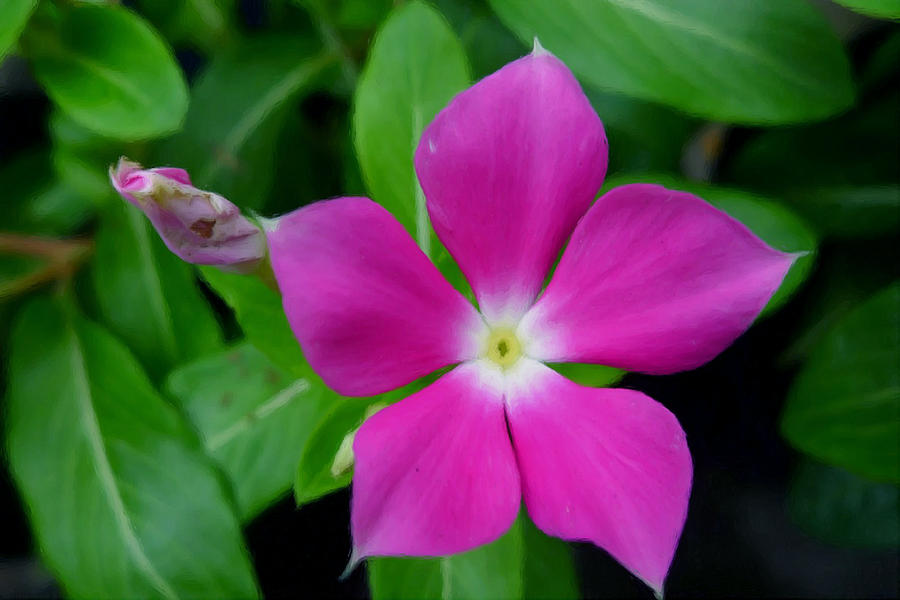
column 651, row 280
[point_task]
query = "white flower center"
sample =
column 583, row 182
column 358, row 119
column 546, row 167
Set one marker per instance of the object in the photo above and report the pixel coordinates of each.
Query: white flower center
column 502, row 347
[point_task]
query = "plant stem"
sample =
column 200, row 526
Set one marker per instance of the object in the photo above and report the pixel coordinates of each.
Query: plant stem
column 63, row 257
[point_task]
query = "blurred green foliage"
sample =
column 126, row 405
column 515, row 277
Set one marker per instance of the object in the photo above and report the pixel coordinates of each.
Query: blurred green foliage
column 756, row 107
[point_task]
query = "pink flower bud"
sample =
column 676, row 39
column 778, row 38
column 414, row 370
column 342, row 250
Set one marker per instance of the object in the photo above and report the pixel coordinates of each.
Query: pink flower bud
column 199, row 227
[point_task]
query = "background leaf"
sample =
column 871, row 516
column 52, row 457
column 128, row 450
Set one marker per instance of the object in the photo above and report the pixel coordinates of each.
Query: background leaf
column 122, row 499
column 109, row 71
column 34, row 201
column 326, row 463
column 147, row 295
column 237, row 108
column 523, row 563
column 13, row 16
column 317, row 472
column 253, row 418
column 399, row 93
column 832, row 178
column 747, row 61
column 844, row 406
column 259, row 312
column 842, row 508
column 884, row 9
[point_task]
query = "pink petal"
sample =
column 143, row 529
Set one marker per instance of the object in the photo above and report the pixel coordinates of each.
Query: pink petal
column 609, row 466
column 179, row 175
column 653, row 280
column 369, row 309
column 435, row 474
column 507, row 168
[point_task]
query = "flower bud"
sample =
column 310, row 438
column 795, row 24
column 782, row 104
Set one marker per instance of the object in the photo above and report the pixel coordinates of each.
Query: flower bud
column 199, row 227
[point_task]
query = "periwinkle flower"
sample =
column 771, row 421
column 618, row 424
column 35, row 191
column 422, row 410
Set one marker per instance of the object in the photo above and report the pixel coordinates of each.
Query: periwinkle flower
column 199, row 226
column 651, row 280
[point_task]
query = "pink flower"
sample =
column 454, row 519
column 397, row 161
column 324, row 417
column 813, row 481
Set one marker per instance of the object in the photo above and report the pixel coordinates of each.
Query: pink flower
column 200, row 227
column 651, row 280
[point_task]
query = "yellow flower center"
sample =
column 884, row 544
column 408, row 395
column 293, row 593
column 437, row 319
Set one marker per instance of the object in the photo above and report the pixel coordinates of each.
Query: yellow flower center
column 503, row 347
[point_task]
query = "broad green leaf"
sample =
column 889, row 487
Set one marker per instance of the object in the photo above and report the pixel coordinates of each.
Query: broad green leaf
column 842, row 508
column 253, row 418
column 850, row 211
column 415, row 67
column 206, row 24
column 838, row 152
column 880, row 67
column 121, row 497
column 489, row 45
column 13, row 16
column 109, row 71
column 833, row 178
column 34, row 201
column 147, row 295
column 260, row 314
column 237, row 108
column 81, row 158
column 848, row 277
column 589, row 375
column 844, row 406
column 747, row 61
column 523, row 563
column 549, row 570
column 325, row 463
column 882, row 9
column 642, row 136
column 772, row 222
column 361, row 14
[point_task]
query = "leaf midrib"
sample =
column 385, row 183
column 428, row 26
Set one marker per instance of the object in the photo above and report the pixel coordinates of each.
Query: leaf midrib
column 695, row 28
column 157, row 298
column 275, row 403
column 104, row 470
column 257, row 112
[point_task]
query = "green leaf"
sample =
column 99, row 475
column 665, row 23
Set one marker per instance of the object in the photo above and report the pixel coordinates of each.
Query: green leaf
column 34, row 201
column 13, row 16
column 109, row 71
column 754, row 61
column 326, row 463
column 206, row 24
column 260, row 314
column 643, row 136
column 147, row 295
column 850, row 211
column 882, row 9
column 82, row 158
column 841, row 283
column 832, row 153
column 549, row 570
column 415, row 67
column 589, row 375
column 523, row 563
column 844, row 406
column 489, row 45
column 253, row 418
column 231, row 130
column 122, row 499
column 772, row 222
column 320, row 470
column 841, row 508
column 831, row 179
